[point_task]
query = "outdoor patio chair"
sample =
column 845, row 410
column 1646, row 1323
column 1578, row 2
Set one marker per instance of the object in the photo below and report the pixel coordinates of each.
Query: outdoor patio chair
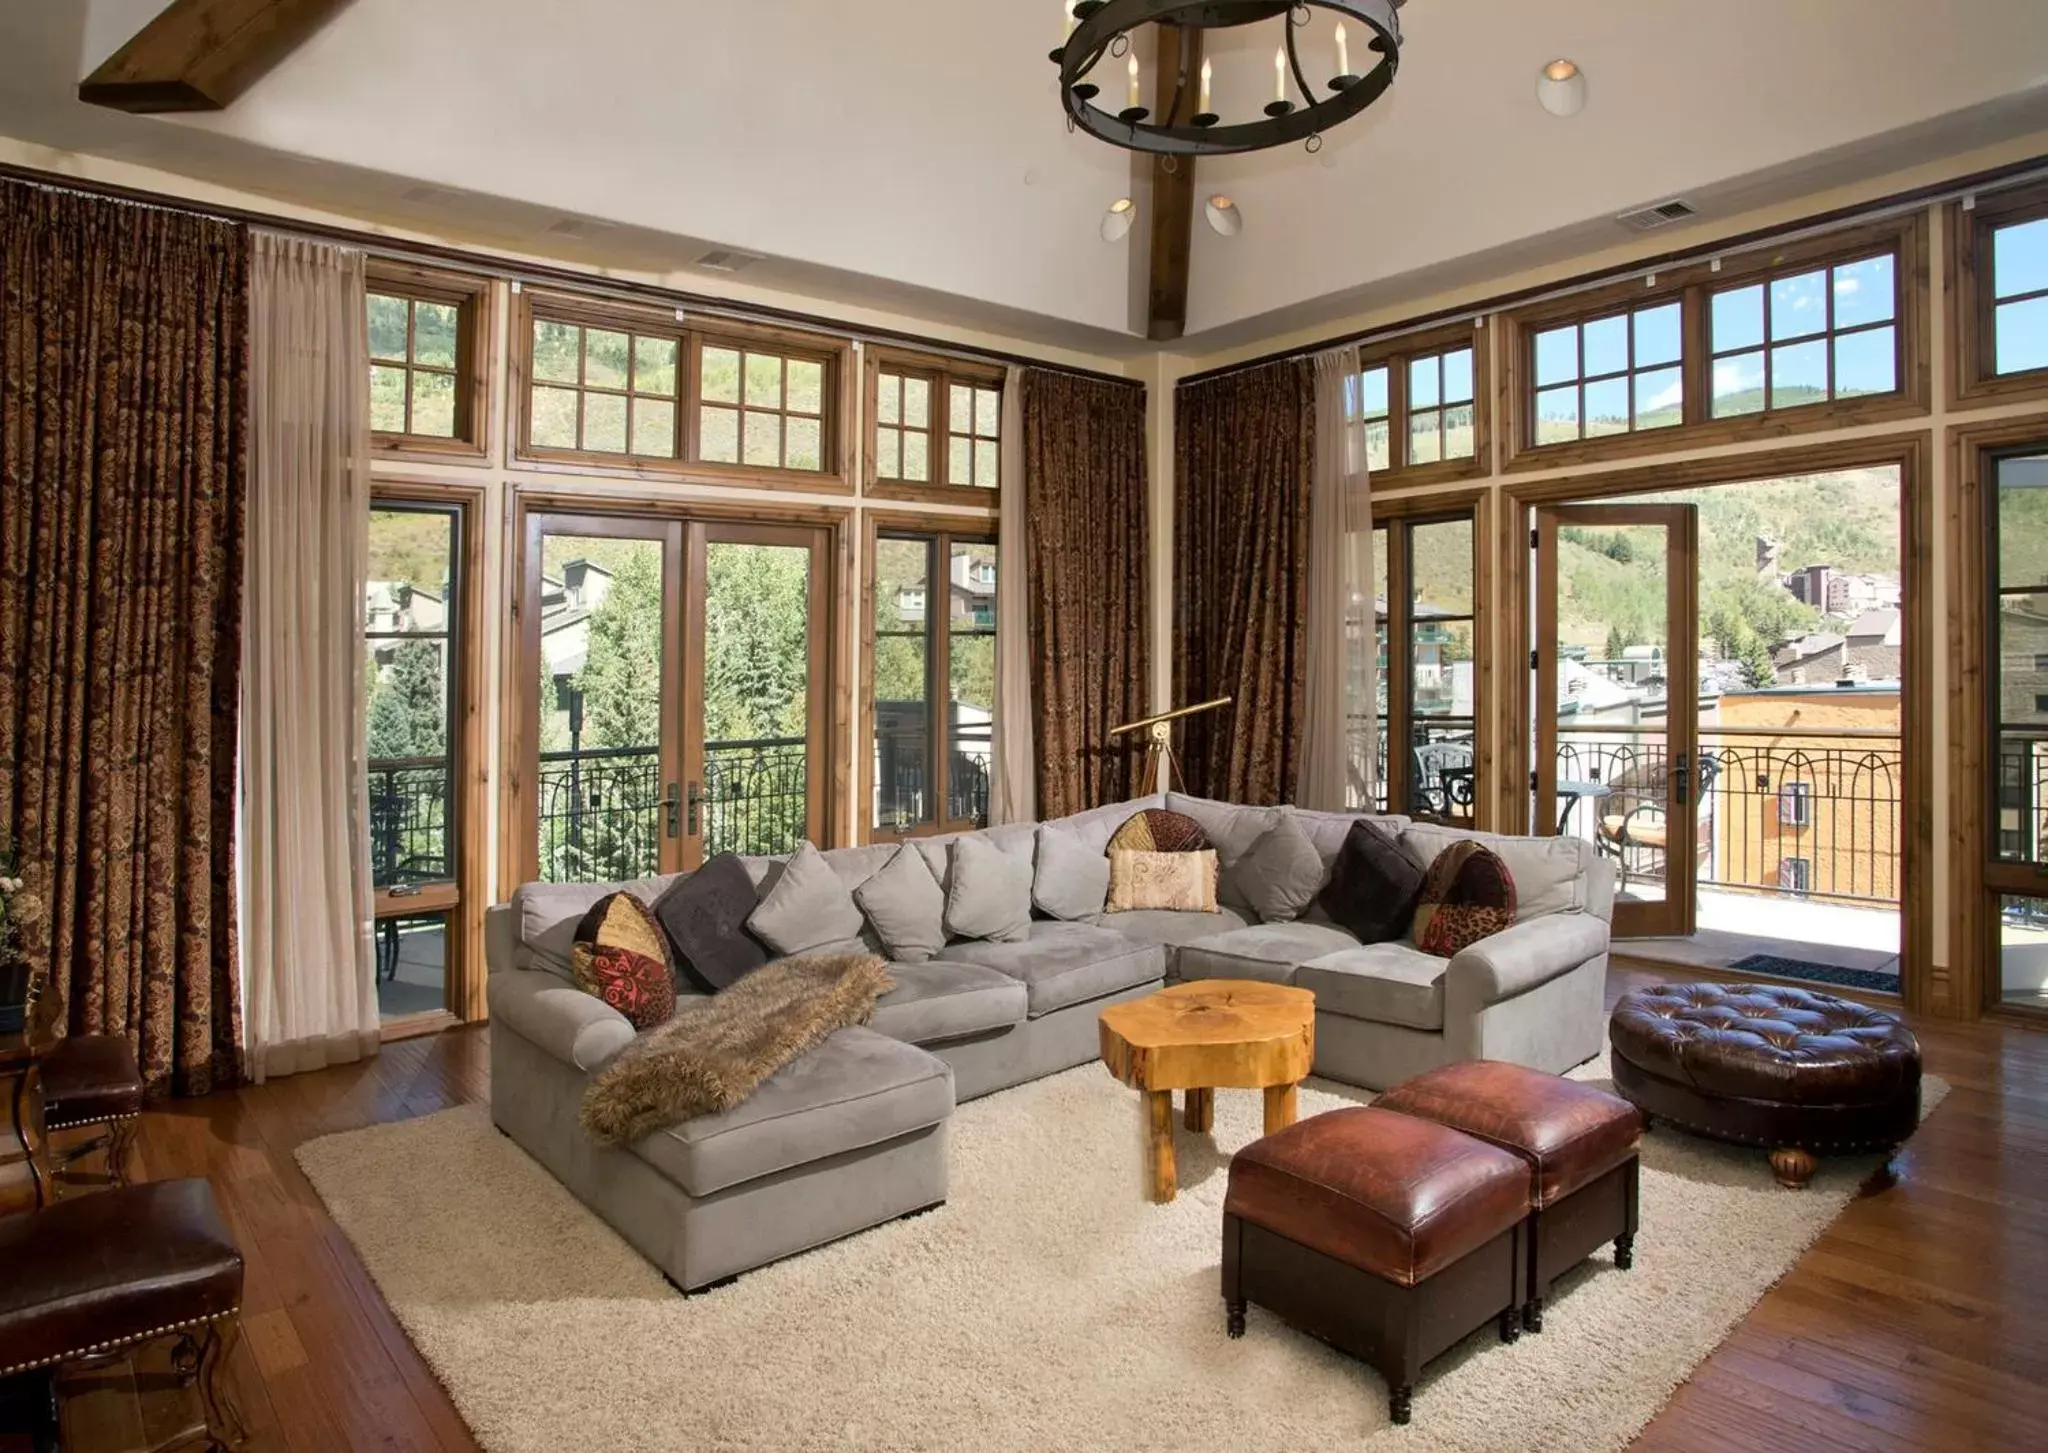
column 1643, row 826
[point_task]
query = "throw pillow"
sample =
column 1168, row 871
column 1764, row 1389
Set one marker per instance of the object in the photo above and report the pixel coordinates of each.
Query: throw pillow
column 1155, row 830
column 1068, row 881
column 1468, row 895
column 1373, row 886
column 988, row 891
column 705, row 918
column 1281, row 873
column 806, row 906
column 906, row 905
column 621, row 956
column 1178, row 882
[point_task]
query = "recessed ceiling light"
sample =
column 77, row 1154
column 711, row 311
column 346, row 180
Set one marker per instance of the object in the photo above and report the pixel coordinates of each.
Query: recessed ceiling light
column 1561, row 87
column 1224, row 218
column 1116, row 222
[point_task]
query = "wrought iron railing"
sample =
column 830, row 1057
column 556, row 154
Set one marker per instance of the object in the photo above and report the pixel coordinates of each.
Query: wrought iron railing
column 408, row 820
column 1441, row 786
column 756, row 795
column 2020, row 782
column 1810, row 813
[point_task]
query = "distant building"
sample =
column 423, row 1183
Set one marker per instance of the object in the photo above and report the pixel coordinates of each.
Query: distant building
column 1809, row 585
column 1872, row 648
column 1851, row 595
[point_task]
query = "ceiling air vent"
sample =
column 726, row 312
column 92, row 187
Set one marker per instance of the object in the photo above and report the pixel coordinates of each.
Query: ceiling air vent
column 1663, row 214
column 725, row 259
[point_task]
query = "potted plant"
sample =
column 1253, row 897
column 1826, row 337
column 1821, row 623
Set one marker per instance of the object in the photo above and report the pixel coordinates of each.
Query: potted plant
column 19, row 909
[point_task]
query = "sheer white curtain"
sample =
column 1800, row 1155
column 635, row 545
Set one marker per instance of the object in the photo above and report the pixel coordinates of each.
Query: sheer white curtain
column 306, row 901
column 1013, row 781
column 1339, row 735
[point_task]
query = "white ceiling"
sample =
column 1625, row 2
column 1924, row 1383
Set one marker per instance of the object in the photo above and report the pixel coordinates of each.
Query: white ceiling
column 906, row 154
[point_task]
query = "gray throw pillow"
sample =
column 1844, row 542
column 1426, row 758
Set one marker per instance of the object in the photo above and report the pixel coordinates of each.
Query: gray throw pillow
column 808, row 905
column 988, row 892
column 1068, row 881
column 1281, row 873
column 907, row 907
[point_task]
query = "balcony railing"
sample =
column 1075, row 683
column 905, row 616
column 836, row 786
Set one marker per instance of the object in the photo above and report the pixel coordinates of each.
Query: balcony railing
column 408, row 820
column 1440, row 773
column 903, row 791
column 2020, row 780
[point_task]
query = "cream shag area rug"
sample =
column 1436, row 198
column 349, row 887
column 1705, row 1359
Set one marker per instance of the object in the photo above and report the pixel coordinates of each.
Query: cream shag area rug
column 1047, row 1306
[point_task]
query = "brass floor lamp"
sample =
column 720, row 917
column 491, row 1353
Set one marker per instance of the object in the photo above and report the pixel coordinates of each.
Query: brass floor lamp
column 1159, row 769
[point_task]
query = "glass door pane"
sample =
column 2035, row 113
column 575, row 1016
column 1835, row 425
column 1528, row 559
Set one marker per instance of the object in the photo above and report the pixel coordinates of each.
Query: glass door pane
column 1616, row 701
column 970, row 678
column 2018, row 844
column 903, row 764
column 603, row 698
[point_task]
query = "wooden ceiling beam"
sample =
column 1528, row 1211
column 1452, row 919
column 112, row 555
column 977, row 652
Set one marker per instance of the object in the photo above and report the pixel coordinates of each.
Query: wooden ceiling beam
column 1173, row 189
column 199, row 55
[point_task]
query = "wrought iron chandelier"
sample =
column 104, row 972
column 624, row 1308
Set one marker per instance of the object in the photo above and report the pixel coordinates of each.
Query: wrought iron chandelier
column 1103, row 28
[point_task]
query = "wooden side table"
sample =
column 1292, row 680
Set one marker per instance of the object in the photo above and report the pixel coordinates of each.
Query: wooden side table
column 1215, row 1034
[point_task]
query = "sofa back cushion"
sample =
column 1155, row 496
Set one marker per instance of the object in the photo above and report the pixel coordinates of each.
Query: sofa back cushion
column 545, row 916
column 1231, row 830
column 807, row 904
column 1373, row 885
column 1282, row 873
column 1092, row 829
column 1551, row 873
column 988, row 890
column 705, row 917
column 1469, row 894
column 1069, row 878
column 906, row 906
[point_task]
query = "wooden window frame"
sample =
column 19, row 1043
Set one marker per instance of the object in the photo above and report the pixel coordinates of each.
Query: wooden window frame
column 943, row 373
column 472, row 298
column 1973, row 337
column 944, row 530
column 466, row 895
column 1905, row 237
column 835, row 355
column 1396, row 355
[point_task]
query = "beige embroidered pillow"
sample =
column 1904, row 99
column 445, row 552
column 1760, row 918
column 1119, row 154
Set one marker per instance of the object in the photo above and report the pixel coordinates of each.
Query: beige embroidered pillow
column 1183, row 882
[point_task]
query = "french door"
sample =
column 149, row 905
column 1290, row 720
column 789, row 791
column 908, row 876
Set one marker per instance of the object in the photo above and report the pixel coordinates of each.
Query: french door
column 1616, row 701
column 674, row 699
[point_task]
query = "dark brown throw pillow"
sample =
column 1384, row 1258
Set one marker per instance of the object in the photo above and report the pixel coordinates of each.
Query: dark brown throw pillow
column 705, row 918
column 1373, row 886
column 1468, row 895
column 621, row 956
column 1156, row 830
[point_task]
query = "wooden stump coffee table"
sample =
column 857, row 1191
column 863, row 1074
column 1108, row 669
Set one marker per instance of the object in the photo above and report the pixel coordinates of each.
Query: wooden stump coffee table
column 1215, row 1034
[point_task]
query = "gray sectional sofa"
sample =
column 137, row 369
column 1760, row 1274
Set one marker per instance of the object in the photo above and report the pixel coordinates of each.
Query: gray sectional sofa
column 854, row 1133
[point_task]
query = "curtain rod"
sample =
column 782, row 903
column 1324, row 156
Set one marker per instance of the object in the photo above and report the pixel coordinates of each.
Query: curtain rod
column 400, row 249
column 1827, row 223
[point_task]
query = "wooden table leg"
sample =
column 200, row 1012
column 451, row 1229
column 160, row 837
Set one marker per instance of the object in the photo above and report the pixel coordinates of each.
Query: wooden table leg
column 1159, row 1144
column 1199, row 1114
column 1279, row 1107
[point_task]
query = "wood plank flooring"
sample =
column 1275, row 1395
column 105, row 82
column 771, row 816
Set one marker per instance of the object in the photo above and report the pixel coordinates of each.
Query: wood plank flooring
column 1909, row 1325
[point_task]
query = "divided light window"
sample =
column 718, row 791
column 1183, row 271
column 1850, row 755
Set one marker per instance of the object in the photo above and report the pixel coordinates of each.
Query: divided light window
column 1420, row 402
column 937, row 425
column 1616, row 374
column 424, row 347
column 2019, row 296
column 1806, row 337
column 760, row 407
column 603, row 390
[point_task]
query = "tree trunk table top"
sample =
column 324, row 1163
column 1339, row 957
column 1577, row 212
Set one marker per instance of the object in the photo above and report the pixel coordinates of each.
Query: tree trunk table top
column 1212, row 1034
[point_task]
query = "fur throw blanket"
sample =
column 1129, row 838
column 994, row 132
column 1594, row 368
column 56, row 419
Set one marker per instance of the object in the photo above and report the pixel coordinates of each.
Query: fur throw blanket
column 713, row 1055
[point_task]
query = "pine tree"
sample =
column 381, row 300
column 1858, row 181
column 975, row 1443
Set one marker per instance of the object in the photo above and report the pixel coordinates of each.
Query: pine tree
column 408, row 714
column 1755, row 659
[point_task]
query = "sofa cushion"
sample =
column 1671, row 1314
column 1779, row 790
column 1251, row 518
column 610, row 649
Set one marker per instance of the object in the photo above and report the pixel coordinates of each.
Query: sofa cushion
column 938, row 1001
column 1170, row 928
column 988, row 891
column 1373, row 886
column 1069, row 879
column 906, row 906
column 622, row 957
column 705, row 917
column 1183, row 882
column 1232, row 830
column 546, row 915
column 1019, row 839
column 856, row 1089
column 1066, row 963
column 1281, row 873
column 806, row 904
column 1159, row 830
column 1468, row 895
column 1092, row 829
column 1552, row 874
column 1268, row 951
column 1327, row 830
column 1386, row 983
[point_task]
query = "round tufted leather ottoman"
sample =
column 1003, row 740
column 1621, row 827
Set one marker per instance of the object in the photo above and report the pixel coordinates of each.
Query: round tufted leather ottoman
column 1796, row 1072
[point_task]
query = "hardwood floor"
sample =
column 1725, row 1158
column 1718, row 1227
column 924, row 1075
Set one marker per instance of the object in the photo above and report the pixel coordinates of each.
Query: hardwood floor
column 1910, row 1324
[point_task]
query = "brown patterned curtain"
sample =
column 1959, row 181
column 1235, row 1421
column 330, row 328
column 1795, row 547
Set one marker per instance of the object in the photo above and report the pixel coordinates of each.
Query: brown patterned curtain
column 1245, row 447
column 123, row 399
column 1085, row 530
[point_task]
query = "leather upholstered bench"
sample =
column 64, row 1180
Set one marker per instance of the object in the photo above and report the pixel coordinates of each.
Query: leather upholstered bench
column 1580, row 1145
column 1389, row 1237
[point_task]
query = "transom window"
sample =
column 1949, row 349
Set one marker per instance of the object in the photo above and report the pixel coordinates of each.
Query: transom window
column 425, row 385
column 1825, row 333
column 1376, row 412
column 603, row 390
column 760, row 407
column 937, row 424
column 903, row 427
column 2019, row 296
column 1419, row 401
column 1611, row 375
column 1440, row 407
column 974, row 426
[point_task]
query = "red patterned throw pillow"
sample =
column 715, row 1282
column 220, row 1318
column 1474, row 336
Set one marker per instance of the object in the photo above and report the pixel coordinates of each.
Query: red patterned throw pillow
column 1468, row 895
column 1156, row 830
column 622, row 957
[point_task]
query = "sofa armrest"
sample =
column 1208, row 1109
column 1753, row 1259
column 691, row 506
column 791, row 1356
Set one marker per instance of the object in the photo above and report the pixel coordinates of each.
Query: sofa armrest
column 1523, row 956
column 579, row 1029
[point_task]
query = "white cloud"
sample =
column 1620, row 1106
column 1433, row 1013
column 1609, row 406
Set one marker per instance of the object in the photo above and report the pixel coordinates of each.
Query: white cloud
column 1665, row 398
column 1846, row 284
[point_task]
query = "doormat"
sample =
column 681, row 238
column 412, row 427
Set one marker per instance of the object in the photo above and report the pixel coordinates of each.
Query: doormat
column 1780, row 968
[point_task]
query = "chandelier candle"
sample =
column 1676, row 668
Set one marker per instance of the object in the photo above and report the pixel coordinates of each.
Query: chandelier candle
column 1343, row 51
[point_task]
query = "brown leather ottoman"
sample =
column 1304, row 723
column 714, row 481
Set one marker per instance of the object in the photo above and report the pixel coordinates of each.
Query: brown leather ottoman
column 1796, row 1072
column 1388, row 1237
column 92, row 1079
column 1578, row 1143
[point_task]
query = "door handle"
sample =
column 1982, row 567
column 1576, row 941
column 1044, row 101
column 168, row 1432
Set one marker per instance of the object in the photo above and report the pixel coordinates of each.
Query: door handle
column 672, row 811
column 1681, row 779
column 696, row 796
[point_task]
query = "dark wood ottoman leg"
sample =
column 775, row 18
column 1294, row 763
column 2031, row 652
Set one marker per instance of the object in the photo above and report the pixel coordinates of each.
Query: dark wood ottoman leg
column 1233, row 1280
